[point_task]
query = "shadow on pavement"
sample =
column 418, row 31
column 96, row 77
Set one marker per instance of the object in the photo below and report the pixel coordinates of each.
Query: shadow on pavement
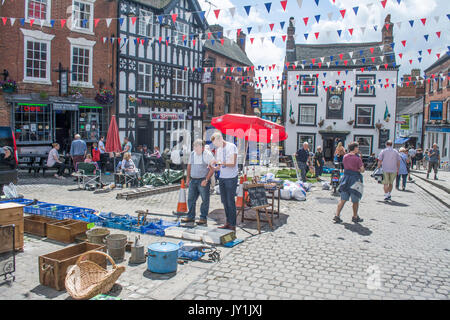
column 394, row 203
column 218, row 216
column 359, row 229
column 158, row 276
column 47, row 292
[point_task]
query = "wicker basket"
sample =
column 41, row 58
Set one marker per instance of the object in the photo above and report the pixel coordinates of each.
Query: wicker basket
column 87, row 279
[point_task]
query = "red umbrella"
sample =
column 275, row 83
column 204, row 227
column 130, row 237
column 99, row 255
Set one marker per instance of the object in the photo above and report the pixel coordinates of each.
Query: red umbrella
column 251, row 128
column 112, row 139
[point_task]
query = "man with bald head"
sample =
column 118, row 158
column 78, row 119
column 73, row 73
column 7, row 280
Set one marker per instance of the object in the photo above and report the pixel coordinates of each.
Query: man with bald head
column 303, row 156
column 78, row 150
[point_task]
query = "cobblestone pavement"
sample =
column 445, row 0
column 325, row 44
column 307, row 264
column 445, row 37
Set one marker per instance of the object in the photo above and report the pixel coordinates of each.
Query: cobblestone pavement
column 400, row 251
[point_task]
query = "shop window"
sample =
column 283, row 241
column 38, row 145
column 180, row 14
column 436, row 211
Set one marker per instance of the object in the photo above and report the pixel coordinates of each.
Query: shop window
column 364, row 116
column 365, row 144
column 306, row 115
column 37, row 9
column 365, row 86
column 82, row 15
column 308, row 85
column 93, row 122
column 32, row 123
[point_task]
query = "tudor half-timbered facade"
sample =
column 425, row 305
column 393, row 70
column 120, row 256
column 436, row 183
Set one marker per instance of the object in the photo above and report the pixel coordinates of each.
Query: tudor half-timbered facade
column 159, row 70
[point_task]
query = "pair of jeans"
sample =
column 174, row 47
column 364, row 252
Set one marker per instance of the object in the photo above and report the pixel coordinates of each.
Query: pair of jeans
column 302, row 166
column 228, row 188
column 319, row 169
column 61, row 167
column 403, row 177
column 195, row 190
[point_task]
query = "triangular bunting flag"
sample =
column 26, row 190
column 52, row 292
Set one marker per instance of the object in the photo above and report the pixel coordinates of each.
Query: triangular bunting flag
column 317, row 2
column 284, row 37
column 201, row 14
column 282, row 25
column 363, row 29
column 339, row 33
column 426, row 37
column 330, row 15
column 438, row 33
column 306, row 36
column 13, row 20
column 404, row 42
column 96, row 21
column 232, row 11
column 317, row 18
column 4, row 19
column 283, row 4
column 31, row 22
column 351, row 31
column 300, row 2
column 108, row 22
column 305, row 20
column 383, row 3
column 271, row 26
column 342, row 13
column 188, row 16
column 355, row 9
column 22, row 21
column 247, row 9
column 249, row 29
column 317, row 35
column 174, row 17
column 63, row 22
column 411, row 22
column 268, row 5
column 424, row 20
column 216, row 12
column 121, row 21
column 133, row 20
column 273, row 39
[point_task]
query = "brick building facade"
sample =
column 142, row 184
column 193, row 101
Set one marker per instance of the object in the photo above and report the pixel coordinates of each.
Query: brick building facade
column 44, row 36
column 227, row 88
column 437, row 106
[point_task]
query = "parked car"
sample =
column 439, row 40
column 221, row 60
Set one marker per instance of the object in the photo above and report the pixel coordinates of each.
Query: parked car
column 8, row 175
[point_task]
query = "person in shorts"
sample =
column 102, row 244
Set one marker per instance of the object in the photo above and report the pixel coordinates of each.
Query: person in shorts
column 350, row 186
column 389, row 160
column 434, row 160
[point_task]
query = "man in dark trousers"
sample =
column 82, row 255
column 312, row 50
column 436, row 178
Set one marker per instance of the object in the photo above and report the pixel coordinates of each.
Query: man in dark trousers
column 302, row 159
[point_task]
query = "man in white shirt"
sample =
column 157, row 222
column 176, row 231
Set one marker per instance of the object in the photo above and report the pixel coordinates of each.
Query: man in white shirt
column 103, row 154
column 226, row 162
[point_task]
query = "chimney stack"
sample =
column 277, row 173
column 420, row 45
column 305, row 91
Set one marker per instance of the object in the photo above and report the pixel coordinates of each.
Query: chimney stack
column 290, row 43
column 216, row 30
column 240, row 40
column 387, row 33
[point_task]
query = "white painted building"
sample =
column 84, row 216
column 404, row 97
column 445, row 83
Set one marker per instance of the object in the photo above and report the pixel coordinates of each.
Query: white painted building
column 339, row 100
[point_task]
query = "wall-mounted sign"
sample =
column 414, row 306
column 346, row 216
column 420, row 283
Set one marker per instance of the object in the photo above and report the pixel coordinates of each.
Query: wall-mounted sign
column 24, row 107
column 405, row 124
column 65, row 106
column 254, row 102
column 163, row 104
column 436, row 110
column 167, row 116
column 335, row 104
column 64, row 82
column 207, row 77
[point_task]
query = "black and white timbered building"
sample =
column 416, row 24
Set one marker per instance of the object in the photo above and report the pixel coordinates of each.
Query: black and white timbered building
column 159, row 69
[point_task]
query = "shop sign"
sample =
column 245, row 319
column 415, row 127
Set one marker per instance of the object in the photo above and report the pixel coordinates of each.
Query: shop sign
column 254, row 103
column 163, row 104
column 167, row 116
column 405, row 124
column 32, row 107
column 65, row 106
column 335, row 104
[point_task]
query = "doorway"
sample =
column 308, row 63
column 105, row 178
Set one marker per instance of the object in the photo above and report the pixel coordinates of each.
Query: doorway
column 65, row 123
column 144, row 133
column 330, row 142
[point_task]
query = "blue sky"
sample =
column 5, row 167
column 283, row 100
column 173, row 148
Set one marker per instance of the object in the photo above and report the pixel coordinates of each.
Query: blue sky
column 370, row 13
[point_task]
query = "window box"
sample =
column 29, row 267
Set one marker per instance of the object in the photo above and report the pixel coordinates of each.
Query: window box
column 365, row 86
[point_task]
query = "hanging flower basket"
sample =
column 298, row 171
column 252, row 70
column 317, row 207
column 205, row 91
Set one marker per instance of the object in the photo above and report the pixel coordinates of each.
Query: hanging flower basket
column 292, row 121
column 378, row 125
column 321, row 123
column 8, row 86
column 104, row 96
column 202, row 107
column 75, row 92
column 351, row 122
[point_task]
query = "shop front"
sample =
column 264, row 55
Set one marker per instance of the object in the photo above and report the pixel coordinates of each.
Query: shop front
column 37, row 125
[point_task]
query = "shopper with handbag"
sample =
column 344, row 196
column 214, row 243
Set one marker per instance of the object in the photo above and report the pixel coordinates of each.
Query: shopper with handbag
column 403, row 170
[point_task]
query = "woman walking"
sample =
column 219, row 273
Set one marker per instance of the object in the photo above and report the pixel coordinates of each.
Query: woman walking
column 351, row 184
column 339, row 154
column 403, row 170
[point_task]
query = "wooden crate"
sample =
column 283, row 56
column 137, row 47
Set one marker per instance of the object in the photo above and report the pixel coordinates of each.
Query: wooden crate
column 37, row 225
column 12, row 213
column 65, row 230
column 53, row 266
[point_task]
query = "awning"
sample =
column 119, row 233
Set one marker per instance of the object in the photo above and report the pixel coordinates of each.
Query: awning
column 401, row 140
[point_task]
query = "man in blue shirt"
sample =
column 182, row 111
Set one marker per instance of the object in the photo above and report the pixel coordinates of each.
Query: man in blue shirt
column 78, row 150
column 302, row 159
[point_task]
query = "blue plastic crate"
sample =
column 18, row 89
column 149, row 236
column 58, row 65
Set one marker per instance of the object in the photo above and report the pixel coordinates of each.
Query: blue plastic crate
column 39, row 209
column 82, row 214
column 20, row 201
